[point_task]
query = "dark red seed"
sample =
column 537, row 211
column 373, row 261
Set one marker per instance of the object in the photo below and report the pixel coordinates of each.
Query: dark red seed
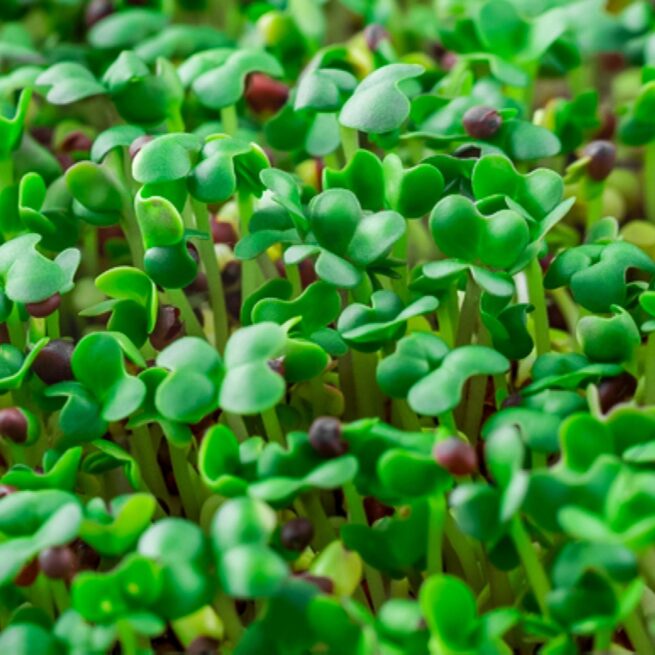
column 203, row 646
column 324, row 584
column 58, row 563
column 456, row 456
column 231, row 273
column 13, row 425
column 88, row 558
column 138, row 143
column 374, row 34
column 53, row 363
column 264, row 94
column 28, row 574
column 167, row 328
column 297, row 534
column 224, row 232
column 375, row 510
column 468, row 151
column 42, row 134
column 325, row 437
column 45, row 307
column 602, row 157
column 97, row 10
column 482, row 122
column 76, row 141
column 616, row 390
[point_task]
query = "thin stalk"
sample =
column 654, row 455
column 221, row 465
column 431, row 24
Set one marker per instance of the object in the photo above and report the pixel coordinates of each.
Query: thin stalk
column 127, row 637
column 364, row 367
column 132, row 230
column 314, row 510
column 272, row 426
column 649, row 371
column 60, row 595
column 407, row 419
column 464, row 551
column 649, row 176
column 602, row 640
column 533, row 569
column 538, row 299
column 468, row 315
column 225, row 608
column 593, row 195
column 185, row 485
column 144, row 452
column 230, row 120
column 437, row 509
column 250, row 267
column 358, row 516
column 349, row 142
column 90, row 246
column 637, row 633
column 6, row 173
column 214, row 279
column 447, row 316
column 52, row 325
column 475, row 406
column 293, row 276
column 16, row 329
column 192, row 325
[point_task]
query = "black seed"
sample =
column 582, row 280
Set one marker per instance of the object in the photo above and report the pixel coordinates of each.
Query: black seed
column 616, row 390
column 482, row 122
column 58, row 563
column 325, row 437
column 456, row 456
column 602, row 155
column 167, row 328
column 53, row 363
column 45, row 307
column 297, row 534
column 13, row 425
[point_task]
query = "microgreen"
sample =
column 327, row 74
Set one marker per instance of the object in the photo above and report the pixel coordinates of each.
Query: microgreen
column 327, row 327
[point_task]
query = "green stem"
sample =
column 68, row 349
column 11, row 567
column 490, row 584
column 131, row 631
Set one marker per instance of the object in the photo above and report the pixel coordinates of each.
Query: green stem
column 132, row 230
column 534, row 570
column 185, row 485
column 538, row 300
column 475, row 406
column 230, row 120
column 52, row 325
column 602, row 640
column 437, row 505
column 649, row 176
column 469, row 314
column 314, row 510
column 90, row 247
column 192, row 325
column 60, row 595
column 214, row 280
column 144, row 452
column 364, row 367
column 649, row 371
column 127, row 637
column 6, row 173
column 16, row 329
column 447, row 316
column 637, row 633
column 225, row 608
column 464, row 551
column 349, row 142
column 293, row 276
column 358, row 516
column 272, row 426
column 249, row 268
column 593, row 195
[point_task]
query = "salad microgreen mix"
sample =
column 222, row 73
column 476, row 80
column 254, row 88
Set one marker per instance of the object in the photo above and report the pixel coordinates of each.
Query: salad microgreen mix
column 327, row 327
